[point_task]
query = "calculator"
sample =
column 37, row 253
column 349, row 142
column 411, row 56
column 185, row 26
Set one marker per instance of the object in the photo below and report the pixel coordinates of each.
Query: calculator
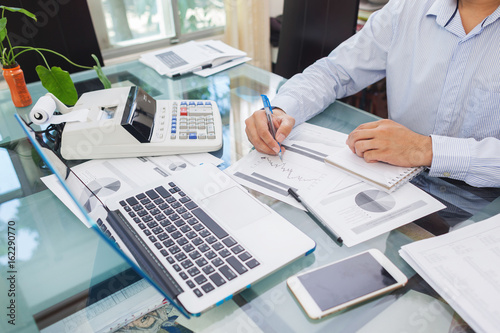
column 128, row 122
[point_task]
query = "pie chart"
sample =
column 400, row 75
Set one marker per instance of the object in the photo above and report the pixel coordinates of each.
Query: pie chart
column 100, row 187
column 375, row 201
column 177, row 166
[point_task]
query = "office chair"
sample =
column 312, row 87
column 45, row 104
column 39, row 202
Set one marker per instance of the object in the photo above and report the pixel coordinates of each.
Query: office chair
column 311, row 29
column 62, row 26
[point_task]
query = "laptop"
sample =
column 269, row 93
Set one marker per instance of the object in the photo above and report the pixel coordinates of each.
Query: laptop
column 198, row 236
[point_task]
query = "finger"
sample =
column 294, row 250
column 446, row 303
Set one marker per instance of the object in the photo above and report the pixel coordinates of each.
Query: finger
column 359, row 135
column 284, row 127
column 258, row 143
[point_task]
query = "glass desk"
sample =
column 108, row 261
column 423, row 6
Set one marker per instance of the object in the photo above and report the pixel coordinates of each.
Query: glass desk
column 60, row 264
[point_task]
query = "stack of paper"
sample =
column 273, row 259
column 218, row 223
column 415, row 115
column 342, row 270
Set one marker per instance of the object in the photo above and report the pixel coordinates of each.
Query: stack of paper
column 464, row 268
column 193, row 57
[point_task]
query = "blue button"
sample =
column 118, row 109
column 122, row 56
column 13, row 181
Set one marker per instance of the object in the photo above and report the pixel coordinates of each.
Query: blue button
column 192, row 135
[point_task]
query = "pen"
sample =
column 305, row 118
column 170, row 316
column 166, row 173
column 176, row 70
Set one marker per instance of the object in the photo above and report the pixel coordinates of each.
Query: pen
column 269, row 112
column 192, row 70
column 316, row 215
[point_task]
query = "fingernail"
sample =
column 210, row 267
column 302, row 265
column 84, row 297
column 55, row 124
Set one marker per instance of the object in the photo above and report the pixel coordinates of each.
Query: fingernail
column 276, row 150
column 280, row 137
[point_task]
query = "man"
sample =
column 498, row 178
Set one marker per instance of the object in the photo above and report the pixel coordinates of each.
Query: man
column 441, row 59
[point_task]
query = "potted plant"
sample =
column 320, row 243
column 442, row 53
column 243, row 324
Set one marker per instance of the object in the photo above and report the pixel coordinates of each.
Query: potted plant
column 56, row 80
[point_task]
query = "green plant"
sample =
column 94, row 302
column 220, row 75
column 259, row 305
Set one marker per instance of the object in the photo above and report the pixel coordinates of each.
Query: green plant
column 56, row 80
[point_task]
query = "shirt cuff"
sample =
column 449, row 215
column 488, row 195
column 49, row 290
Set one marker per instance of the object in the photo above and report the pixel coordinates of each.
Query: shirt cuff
column 291, row 107
column 450, row 157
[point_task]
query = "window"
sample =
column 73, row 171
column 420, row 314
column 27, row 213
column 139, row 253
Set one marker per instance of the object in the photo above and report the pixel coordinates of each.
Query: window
column 128, row 26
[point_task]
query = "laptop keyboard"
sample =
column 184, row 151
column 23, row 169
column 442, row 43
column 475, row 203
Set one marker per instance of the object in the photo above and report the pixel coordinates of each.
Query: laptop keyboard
column 203, row 254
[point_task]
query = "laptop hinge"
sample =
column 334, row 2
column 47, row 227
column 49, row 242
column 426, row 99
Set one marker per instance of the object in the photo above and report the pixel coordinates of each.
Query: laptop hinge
column 146, row 259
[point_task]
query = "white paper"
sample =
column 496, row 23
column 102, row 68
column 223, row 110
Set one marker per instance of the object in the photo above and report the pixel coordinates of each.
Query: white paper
column 109, row 177
column 464, row 268
column 353, row 209
column 190, row 56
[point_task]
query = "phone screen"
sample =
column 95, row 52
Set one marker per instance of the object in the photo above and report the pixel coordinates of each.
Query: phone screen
column 346, row 280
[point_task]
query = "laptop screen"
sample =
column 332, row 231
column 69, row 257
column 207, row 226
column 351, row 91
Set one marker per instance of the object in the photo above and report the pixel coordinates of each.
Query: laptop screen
column 80, row 194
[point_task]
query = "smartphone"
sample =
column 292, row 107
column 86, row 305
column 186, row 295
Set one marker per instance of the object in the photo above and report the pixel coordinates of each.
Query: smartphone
column 346, row 282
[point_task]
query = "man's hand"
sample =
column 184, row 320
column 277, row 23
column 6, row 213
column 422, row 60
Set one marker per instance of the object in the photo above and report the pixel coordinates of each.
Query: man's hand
column 258, row 132
column 390, row 142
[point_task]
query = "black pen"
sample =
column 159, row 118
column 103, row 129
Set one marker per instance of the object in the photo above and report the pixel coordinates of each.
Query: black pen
column 316, row 215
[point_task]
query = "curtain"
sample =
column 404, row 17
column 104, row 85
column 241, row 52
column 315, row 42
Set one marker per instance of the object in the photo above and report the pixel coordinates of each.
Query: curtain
column 248, row 29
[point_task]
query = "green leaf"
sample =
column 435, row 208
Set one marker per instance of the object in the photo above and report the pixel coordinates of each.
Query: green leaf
column 19, row 10
column 3, row 28
column 59, row 83
column 100, row 74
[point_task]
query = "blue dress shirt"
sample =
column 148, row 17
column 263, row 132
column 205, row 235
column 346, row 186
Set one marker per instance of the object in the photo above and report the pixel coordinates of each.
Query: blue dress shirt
column 441, row 82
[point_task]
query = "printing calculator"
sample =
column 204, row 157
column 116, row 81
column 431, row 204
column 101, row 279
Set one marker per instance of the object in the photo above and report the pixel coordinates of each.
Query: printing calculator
column 127, row 122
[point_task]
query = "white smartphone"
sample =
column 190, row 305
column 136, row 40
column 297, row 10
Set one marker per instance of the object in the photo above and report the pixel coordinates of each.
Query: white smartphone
column 346, row 282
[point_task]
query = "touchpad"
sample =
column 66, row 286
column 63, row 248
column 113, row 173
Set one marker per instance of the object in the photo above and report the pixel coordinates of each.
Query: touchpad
column 234, row 208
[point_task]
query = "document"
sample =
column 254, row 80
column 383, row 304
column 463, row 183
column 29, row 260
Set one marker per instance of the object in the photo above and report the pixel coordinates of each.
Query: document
column 190, row 57
column 382, row 175
column 109, row 177
column 353, row 209
column 464, row 268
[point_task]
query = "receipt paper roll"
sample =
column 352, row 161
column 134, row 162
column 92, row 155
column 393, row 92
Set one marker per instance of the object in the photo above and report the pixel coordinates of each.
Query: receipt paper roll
column 43, row 113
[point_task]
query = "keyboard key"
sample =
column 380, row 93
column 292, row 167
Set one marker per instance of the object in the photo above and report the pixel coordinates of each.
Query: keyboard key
column 224, row 253
column 191, row 234
column 195, row 255
column 197, row 241
column 217, row 279
column 123, row 203
column 197, row 292
column 203, row 248
column 217, row 246
column 192, row 221
column 180, row 256
column 174, row 249
column 152, row 194
column 190, row 205
column 140, row 196
column 208, row 269
column 165, row 223
column 207, row 287
column 183, row 275
column 184, row 198
column 170, row 260
column 237, row 249
column 187, row 263
column 252, row 263
column 190, row 284
column 177, row 268
column 152, row 224
column 145, row 201
column 198, row 227
column 209, row 223
column 229, row 241
column 188, row 248
column 227, row 272
column 238, row 266
column 217, row 262
column 200, row 279
column 152, row 238
column 204, row 233
column 244, row 256
column 201, row 262
column 211, row 239
column 168, row 243
column 194, row 271
column 132, row 201
column 163, row 192
column 210, row 255
column 185, row 228
column 179, row 223
column 162, row 236
column 164, row 252
column 182, row 241
column 176, row 234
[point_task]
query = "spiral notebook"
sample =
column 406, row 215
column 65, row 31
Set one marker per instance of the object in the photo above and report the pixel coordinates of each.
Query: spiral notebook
column 382, row 175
